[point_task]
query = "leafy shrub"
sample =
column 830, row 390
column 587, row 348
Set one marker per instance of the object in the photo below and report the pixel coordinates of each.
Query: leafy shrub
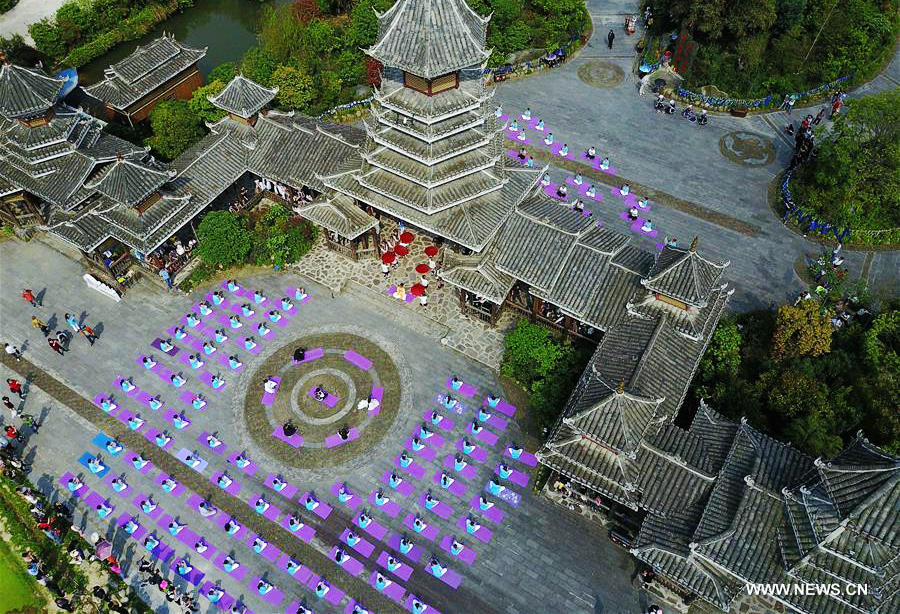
column 223, row 238
column 175, row 128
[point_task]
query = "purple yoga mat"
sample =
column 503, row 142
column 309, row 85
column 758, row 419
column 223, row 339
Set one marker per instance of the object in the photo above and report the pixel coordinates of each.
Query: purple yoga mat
column 485, row 435
column 495, row 421
column 155, row 513
column 353, row 502
column 140, row 361
column 465, row 389
column 219, row 449
column 93, row 499
column 414, row 469
column 448, row 577
column 377, row 393
column 221, row 519
column 502, row 406
column 272, row 512
column 127, row 414
column 64, row 481
column 156, row 345
column 516, row 477
column 199, row 467
column 269, row 398
column 176, row 492
column 441, row 509
column 335, row 440
column 482, row 534
column 428, row 609
column 637, row 226
column 310, row 355
column 410, row 297
column 425, row 452
column 391, row 508
column 363, row 546
column 433, row 440
column 456, row 487
column 221, row 306
column 392, row 590
column 250, row 469
column 403, row 571
column 238, row 286
column 194, row 576
column 322, row 510
column 162, row 552
column 469, row 472
column 233, row 489
column 224, row 602
column 413, row 555
column 478, row 454
column 305, row 532
column 129, row 458
column 139, row 533
column 355, row 358
column 223, row 360
column 108, row 481
column 429, row 532
column 295, row 440
column 444, row 423
column 525, row 457
column 507, row 495
column 292, row 292
column 99, row 398
column 467, row 555
column 273, row 597
column 330, row 399
column 334, row 595
column 300, row 574
column 350, row 564
column 132, row 393
column 493, row 513
column 404, row 487
column 288, row 491
column 169, row 417
column 207, row 378
column 374, row 528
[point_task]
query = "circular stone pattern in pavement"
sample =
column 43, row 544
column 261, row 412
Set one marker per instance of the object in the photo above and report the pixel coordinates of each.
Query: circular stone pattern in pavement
column 747, row 148
column 316, row 420
column 601, row 73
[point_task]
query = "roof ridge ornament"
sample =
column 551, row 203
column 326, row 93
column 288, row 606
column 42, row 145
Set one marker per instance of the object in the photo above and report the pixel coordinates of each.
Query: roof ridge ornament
column 694, row 243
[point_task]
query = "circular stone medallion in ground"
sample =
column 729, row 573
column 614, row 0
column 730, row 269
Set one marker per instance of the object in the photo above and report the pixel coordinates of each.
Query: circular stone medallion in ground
column 747, row 148
column 316, row 420
column 600, row 73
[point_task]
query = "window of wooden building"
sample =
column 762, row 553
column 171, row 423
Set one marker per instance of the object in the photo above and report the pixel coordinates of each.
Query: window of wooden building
column 431, row 86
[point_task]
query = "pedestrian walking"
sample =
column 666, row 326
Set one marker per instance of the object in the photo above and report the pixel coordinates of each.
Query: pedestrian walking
column 12, row 351
column 15, row 386
column 73, row 322
column 56, row 346
column 29, row 296
column 40, row 324
column 819, row 116
column 788, row 103
column 166, row 277
column 89, row 334
column 610, row 38
column 12, row 407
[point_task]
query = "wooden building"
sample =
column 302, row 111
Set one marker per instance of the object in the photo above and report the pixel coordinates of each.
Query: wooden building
column 162, row 70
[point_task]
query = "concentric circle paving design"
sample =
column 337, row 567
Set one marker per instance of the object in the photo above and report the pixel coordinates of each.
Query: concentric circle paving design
column 747, row 148
column 601, row 73
column 316, row 420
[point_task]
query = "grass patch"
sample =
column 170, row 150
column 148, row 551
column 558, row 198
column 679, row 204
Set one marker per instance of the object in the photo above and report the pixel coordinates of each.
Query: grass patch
column 18, row 591
column 260, row 427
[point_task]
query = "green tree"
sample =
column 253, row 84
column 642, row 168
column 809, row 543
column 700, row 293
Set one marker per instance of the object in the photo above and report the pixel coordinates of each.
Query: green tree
column 222, row 238
column 258, row 65
column 175, row 128
column 295, row 87
column 530, row 353
column 200, row 105
column 281, row 35
column 364, row 23
column 224, row 72
column 801, row 331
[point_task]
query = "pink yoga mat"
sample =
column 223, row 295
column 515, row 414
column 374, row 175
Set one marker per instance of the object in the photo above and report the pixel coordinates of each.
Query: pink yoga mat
column 233, row 489
column 353, row 502
column 478, row 454
column 391, row 508
column 295, row 440
column 516, row 477
column 335, row 440
column 493, row 513
column 292, row 293
column 414, row 469
column 363, row 546
column 310, row 355
column 355, row 358
column 224, row 602
column 374, row 528
column 273, row 597
column 483, row 533
column 404, row 487
column 330, row 400
column 156, row 344
column 466, row 555
column 155, row 513
column 425, row 452
column 352, row 566
column 132, row 393
column 429, row 532
column 139, row 533
column 288, row 491
column 151, row 434
column 334, row 595
column 456, row 486
column 469, row 472
column 485, row 435
column 64, row 481
column 392, row 589
column 219, row 449
column 322, row 510
column 269, row 397
column 194, row 576
column 129, row 458
column 250, row 469
column 444, row 422
column 465, row 389
column 305, row 532
column 502, row 406
column 433, row 439
column 207, row 378
column 272, row 512
column 108, row 481
column 300, row 574
column 441, row 509
column 175, row 492
column 525, row 457
column 413, row 555
column 403, row 571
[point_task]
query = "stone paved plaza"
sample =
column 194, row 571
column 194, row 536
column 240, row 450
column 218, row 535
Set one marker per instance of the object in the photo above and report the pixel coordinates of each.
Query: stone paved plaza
column 539, row 559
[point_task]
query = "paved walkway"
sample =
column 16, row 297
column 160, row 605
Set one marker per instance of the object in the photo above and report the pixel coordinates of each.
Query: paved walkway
column 25, row 13
column 538, row 560
column 674, row 156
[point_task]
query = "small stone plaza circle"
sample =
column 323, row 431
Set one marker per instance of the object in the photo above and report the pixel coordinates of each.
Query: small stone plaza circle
column 600, row 73
column 747, row 148
column 316, row 420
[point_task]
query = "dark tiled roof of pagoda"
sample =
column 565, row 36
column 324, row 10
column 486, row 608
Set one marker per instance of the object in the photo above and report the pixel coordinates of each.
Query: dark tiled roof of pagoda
column 130, row 181
column 684, row 275
column 430, row 38
column 697, row 322
column 668, row 484
column 26, row 92
column 477, row 274
column 394, row 95
column 144, row 70
column 431, row 175
column 856, row 474
column 338, row 213
column 883, row 597
column 243, row 97
column 716, row 432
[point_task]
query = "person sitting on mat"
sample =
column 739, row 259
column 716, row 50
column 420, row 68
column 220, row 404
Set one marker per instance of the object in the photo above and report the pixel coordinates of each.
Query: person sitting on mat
column 259, row 544
column 234, row 362
column 126, row 384
column 456, row 547
column 166, row 345
column 180, row 421
column 274, row 315
column 118, row 484
column 233, row 285
column 241, row 460
column 218, row 297
column 208, row 348
column 162, row 439
column 286, row 303
column 262, row 329
column 604, row 164
column 344, row 432
column 405, row 460
column 539, row 125
column 206, row 510
column 149, row 363
column 231, row 527
column 155, row 402
column 113, row 446
column 270, row 385
column 148, row 505
column 177, row 380
column 74, row 484
column 340, row 556
column 380, row 498
column 103, row 510
column 180, row 333
column 204, row 308
column 299, row 354
column 446, row 480
column 300, row 294
column 224, row 480
column 201, row 546
column 131, row 526
column 294, row 523
column 184, row 568
column 199, row 401
column 150, row 542
column 214, row 594
column 139, row 462
column 289, row 429
column 291, row 566
column 633, row 213
column 591, row 152
column 195, row 361
column 213, row 442
column 175, row 527
column 168, row 484
column 319, row 393
column 234, row 322
column 459, row 463
column 107, row 405
column 476, row 427
column 322, row 589
column 311, row 502
column 430, row 501
column 647, row 226
column 261, row 505
column 135, row 422
column 562, row 191
column 95, row 464
column 278, row 484
column 392, row 563
column 545, row 180
column 249, row 343
column 258, row 296
column 263, row 587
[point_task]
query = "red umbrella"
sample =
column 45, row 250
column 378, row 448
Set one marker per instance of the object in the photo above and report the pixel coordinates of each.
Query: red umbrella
column 431, row 251
column 417, row 290
column 401, row 250
column 422, row 268
column 388, row 257
column 407, row 237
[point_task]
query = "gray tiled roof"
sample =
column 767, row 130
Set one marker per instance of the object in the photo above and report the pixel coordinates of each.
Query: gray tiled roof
column 129, row 181
column 394, row 96
column 684, row 274
column 26, row 92
column 337, row 213
column 477, row 274
column 430, row 38
column 144, row 70
column 243, row 97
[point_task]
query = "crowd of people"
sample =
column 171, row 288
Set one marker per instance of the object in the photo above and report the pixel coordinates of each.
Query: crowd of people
column 151, row 577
